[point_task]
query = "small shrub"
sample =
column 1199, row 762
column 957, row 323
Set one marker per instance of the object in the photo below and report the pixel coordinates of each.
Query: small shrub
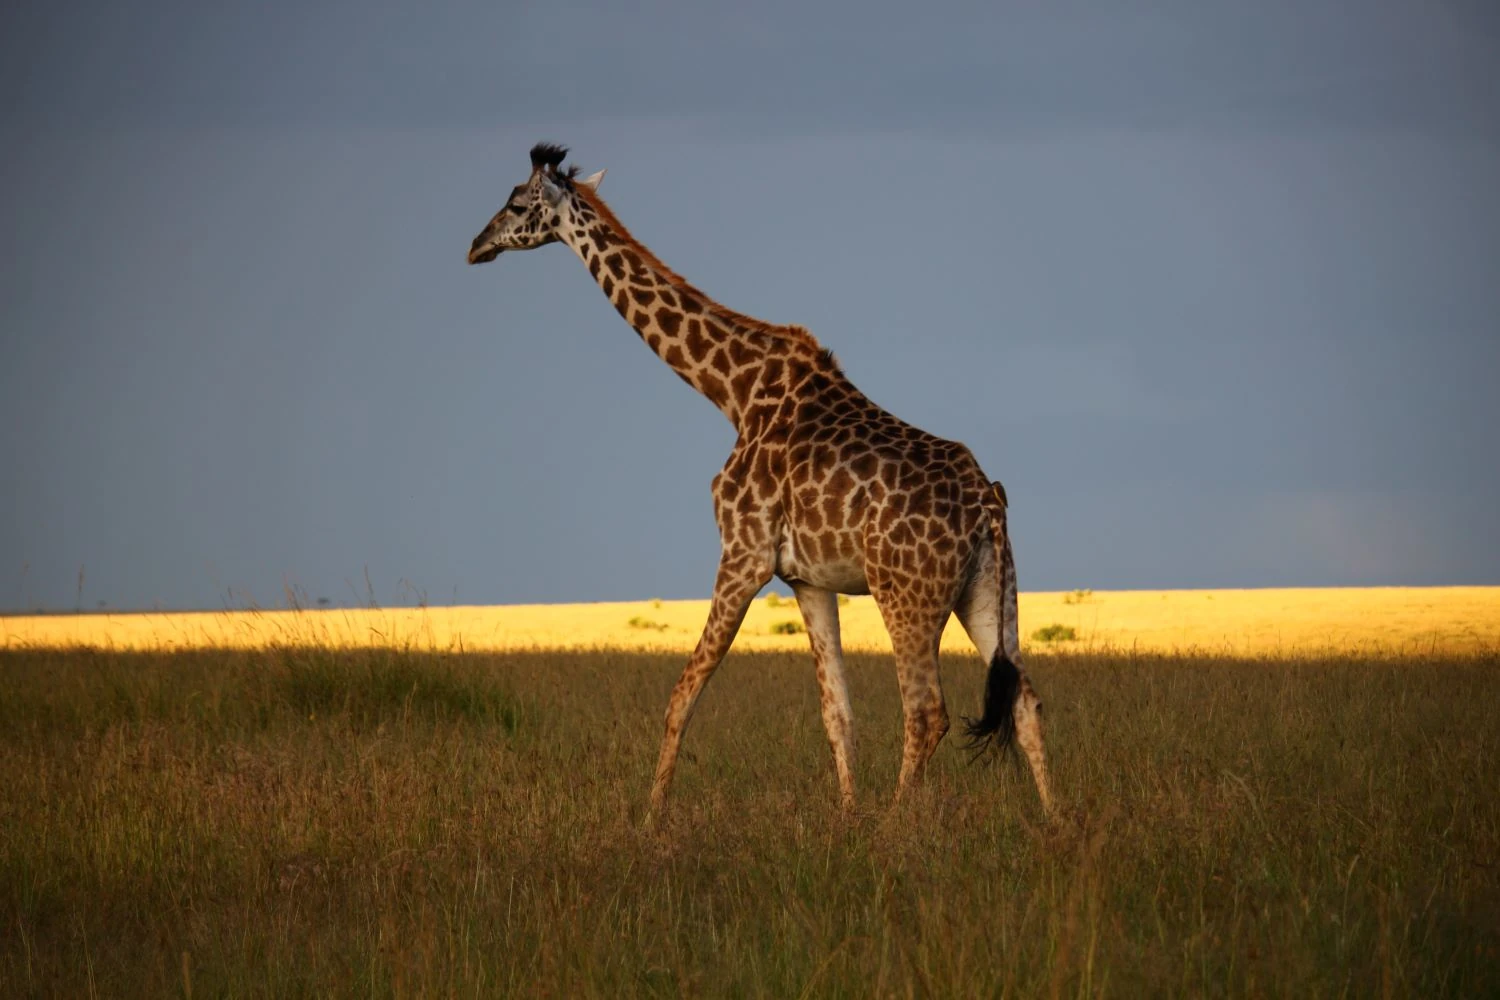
column 773, row 600
column 1077, row 596
column 843, row 599
column 787, row 628
column 1054, row 632
column 639, row 622
column 656, row 602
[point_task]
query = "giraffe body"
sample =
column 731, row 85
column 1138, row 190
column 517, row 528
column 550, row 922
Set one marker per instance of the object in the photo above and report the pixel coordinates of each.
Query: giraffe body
column 823, row 489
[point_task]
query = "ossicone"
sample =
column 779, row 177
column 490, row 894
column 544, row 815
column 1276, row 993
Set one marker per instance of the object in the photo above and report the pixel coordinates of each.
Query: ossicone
column 548, row 154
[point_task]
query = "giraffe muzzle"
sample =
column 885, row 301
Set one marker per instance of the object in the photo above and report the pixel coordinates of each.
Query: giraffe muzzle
column 481, row 252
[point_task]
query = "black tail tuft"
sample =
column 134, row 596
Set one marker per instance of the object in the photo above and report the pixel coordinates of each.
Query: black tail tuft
column 997, row 727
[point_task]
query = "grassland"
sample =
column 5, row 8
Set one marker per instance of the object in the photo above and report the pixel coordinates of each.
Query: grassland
column 1399, row 620
column 310, row 821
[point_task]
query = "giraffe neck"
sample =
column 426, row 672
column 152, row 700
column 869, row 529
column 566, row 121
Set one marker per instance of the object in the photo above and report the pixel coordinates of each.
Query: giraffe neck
column 731, row 358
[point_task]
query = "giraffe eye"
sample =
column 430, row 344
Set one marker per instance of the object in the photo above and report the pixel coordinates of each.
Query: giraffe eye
column 517, row 209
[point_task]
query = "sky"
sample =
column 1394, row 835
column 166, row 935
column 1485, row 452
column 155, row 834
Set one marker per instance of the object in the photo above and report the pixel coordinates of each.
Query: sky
column 1213, row 287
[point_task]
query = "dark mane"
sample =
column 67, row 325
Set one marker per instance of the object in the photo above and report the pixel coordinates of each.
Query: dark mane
column 548, row 154
column 785, row 332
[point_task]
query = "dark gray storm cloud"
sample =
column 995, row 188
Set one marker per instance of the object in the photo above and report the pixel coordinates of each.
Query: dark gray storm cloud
column 1212, row 287
column 791, row 65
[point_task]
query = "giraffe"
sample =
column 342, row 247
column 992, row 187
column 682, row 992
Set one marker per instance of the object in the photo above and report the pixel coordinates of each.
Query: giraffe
column 823, row 489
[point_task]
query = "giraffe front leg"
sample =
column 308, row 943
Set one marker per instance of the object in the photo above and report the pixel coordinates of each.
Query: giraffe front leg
column 820, row 613
column 739, row 580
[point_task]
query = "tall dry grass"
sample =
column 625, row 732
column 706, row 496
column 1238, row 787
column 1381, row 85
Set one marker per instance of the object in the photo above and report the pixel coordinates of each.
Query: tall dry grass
column 299, row 822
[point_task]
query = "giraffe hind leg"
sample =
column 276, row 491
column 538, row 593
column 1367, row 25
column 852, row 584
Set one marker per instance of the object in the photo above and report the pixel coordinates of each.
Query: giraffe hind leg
column 914, row 638
column 820, row 612
column 1012, row 711
column 1028, row 730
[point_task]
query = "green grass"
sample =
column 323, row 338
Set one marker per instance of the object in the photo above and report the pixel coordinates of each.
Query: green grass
column 401, row 823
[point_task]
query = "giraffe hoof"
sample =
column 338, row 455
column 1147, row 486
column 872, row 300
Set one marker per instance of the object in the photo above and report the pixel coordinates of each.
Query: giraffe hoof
column 656, row 816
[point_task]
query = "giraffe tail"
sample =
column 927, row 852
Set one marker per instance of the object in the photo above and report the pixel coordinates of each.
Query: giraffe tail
column 997, row 725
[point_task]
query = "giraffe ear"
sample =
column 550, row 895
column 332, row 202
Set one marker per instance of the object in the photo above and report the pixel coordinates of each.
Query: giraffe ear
column 592, row 181
column 551, row 190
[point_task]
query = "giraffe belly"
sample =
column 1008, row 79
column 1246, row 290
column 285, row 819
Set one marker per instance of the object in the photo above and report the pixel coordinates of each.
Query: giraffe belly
column 843, row 575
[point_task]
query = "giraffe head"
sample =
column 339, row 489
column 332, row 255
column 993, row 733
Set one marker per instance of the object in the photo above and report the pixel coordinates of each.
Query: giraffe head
column 532, row 216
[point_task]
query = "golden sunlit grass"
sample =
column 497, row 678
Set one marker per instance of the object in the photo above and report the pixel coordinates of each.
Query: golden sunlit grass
column 1394, row 620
